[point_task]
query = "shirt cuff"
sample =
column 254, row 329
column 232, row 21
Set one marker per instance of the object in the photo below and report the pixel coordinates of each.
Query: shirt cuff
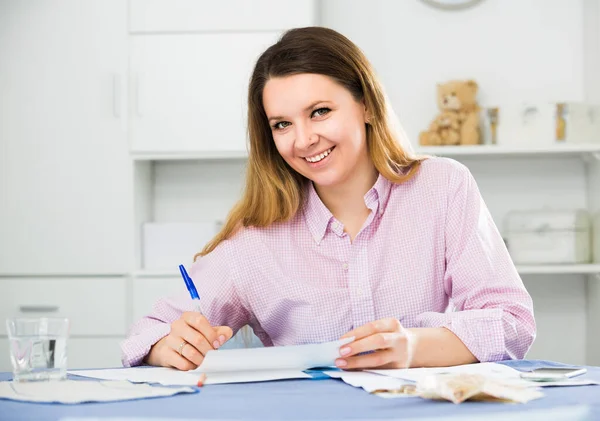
column 481, row 331
column 136, row 347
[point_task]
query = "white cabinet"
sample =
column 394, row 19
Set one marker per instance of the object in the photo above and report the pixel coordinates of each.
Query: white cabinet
column 189, row 92
column 95, row 306
column 147, row 290
column 223, row 15
column 81, row 353
column 65, row 173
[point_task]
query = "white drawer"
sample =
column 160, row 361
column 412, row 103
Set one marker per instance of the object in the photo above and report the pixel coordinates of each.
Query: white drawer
column 194, row 15
column 147, row 290
column 95, row 306
column 81, row 353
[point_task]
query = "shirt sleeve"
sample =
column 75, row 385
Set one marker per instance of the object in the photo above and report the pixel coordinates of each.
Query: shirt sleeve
column 493, row 314
column 215, row 278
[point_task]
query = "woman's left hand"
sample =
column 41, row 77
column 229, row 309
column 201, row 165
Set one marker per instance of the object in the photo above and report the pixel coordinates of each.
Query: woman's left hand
column 386, row 342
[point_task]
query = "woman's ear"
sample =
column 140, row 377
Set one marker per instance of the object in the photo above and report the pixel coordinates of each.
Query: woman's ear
column 366, row 111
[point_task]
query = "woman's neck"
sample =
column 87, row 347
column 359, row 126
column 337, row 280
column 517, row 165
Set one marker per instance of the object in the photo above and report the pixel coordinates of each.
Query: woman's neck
column 346, row 201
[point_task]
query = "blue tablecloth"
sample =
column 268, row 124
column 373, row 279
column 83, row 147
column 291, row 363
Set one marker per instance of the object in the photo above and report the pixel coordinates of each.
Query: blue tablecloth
column 317, row 399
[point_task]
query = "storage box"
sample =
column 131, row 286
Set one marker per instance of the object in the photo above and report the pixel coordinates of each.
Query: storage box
column 549, row 236
column 547, row 124
column 167, row 245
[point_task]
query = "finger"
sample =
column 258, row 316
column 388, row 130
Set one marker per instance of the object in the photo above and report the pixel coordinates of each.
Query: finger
column 383, row 325
column 373, row 360
column 374, row 342
column 174, row 360
column 201, row 324
column 192, row 354
column 192, row 337
column 224, row 333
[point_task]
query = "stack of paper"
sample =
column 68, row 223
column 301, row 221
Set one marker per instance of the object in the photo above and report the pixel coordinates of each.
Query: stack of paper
column 234, row 366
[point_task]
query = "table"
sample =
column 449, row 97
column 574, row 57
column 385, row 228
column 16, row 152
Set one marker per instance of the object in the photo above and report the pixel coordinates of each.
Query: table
column 317, row 399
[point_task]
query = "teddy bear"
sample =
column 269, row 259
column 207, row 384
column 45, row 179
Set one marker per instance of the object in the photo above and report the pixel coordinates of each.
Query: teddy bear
column 458, row 120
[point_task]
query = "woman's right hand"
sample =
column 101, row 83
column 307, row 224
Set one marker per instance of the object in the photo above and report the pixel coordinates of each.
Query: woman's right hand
column 191, row 337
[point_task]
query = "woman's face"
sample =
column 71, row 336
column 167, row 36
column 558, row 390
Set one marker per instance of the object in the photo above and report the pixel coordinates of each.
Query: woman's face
column 318, row 127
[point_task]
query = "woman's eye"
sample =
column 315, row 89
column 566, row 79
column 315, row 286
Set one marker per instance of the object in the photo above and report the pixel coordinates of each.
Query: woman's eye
column 281, row 125
column 320, row 112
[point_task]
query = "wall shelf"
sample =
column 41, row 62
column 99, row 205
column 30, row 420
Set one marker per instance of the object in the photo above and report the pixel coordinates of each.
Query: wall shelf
column 584, row 269
column 189, row 155
column 492, row 151
column 496, row 151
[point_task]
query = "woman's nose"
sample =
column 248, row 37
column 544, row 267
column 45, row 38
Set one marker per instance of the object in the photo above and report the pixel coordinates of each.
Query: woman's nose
column 305, row 139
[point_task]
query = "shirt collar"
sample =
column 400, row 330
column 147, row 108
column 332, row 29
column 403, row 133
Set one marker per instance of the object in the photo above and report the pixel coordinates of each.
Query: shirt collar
column 318, row 217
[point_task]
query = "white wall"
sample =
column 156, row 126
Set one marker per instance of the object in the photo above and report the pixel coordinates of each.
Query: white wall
column 514, row 49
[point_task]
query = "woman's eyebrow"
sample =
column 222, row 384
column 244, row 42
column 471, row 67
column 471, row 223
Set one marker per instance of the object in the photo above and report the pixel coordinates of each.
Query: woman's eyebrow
column 306, row 109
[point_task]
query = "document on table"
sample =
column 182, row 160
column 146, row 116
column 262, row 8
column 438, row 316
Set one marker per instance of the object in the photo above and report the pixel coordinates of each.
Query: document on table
column 491, row 370
column 73, row 392
column 235, row 366
column 370, row 382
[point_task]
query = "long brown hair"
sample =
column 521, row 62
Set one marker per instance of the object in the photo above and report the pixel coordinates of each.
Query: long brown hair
column 274, row 191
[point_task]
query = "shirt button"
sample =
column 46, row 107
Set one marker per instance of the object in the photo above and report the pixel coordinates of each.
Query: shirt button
column 345, row 266
column 359, row 292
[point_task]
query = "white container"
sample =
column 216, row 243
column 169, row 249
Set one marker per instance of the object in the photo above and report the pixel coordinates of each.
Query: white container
column 547, row 124
column 167, row 245
column 549, row 236
column 578, row 123
column 526, row 125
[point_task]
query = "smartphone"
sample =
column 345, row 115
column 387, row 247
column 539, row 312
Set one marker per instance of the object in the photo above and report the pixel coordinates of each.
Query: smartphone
column 547, row 374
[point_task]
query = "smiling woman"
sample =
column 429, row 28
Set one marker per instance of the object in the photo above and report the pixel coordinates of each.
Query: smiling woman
column 343, row 232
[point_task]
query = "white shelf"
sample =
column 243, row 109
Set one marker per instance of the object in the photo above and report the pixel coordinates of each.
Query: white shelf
column 156, row 273
column 494, row 151
column 583, row 269
column 504, row 151
column 559, row 269
column 188, row 155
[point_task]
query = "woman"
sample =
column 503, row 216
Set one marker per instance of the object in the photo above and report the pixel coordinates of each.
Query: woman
column 342, row 231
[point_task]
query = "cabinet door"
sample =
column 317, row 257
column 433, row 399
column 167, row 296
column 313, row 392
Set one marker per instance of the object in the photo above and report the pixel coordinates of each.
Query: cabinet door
column 223, row 15
column 94, row 306
column 147, row 290
column 65, row 187
column 191, row 90
column 82, row 353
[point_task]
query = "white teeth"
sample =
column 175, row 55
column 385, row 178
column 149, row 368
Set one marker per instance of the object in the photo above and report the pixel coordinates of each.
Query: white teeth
column 319, row 157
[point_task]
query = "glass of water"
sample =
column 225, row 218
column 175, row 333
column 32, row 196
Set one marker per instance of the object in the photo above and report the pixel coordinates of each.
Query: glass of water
column 38, row 348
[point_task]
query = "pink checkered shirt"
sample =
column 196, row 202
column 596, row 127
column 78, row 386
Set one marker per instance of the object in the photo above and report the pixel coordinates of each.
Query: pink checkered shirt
column 429, row 255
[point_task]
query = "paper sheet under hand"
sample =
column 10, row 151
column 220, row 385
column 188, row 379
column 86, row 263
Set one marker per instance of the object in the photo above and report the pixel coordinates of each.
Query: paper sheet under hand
column 74, row 392
column 234, row 366
column 279, row 358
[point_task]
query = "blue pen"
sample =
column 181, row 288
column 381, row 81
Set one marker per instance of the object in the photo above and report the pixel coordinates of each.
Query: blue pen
column 189, row 283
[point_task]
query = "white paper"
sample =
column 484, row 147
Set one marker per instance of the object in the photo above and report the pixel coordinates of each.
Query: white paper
column 491, row 370
column 73, row 392
column 161, row 375
column 294, row 357
column 234, row 366
column 487, row 369
column 254, row 376
column 369, row 382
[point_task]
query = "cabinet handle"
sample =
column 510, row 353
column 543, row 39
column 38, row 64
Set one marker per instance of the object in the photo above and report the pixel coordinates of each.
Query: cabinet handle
column 117, row 95
column 38, row 309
